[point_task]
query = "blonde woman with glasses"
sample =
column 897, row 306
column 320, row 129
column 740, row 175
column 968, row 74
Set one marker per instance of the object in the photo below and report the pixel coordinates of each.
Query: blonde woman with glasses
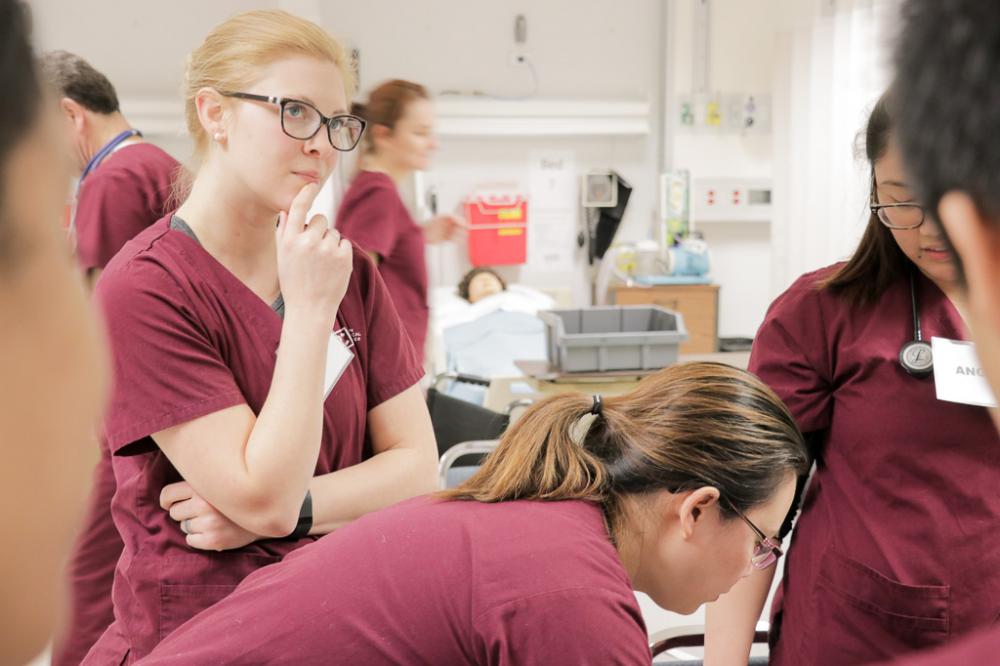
column 265, row 391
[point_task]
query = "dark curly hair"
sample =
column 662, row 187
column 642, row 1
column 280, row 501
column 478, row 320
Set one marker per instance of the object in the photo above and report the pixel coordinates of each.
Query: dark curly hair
column 946, row 98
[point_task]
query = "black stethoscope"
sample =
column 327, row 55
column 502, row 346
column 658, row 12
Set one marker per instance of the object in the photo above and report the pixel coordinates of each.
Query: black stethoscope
column 916, row 356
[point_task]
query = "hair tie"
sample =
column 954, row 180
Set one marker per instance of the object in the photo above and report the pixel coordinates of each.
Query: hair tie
column 598, row 407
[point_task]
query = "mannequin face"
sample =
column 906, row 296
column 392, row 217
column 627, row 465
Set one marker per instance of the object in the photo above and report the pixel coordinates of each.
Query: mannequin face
column 483, row 285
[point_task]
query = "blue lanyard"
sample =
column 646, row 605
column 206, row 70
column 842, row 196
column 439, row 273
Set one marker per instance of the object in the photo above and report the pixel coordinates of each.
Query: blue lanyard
column 107, row 150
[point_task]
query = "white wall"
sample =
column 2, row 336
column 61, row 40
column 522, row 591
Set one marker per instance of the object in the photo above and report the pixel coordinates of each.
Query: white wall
column 742, row 38
column 580, row 50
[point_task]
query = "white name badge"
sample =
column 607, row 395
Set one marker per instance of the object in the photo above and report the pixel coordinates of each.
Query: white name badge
column 338, row 357
column 958, row 376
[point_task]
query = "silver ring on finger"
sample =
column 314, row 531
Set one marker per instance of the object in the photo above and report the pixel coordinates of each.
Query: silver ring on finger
column 186, row 526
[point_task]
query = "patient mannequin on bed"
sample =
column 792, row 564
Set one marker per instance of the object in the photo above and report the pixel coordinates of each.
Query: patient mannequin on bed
column 480, row 283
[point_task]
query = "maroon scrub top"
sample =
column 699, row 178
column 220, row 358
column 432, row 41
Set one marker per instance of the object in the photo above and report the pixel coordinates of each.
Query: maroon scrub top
column 433, row 582
column 373, row 216
column 189, row 339
column 91, row 571
column 898, row 543
column 127, row 192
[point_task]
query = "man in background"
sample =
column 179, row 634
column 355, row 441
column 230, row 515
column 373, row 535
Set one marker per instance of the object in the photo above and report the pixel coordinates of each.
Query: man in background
column 125, row 185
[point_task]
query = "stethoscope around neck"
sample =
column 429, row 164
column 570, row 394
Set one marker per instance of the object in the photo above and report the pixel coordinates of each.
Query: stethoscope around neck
column 95, row 161
column 916, row 356
column 107, row 149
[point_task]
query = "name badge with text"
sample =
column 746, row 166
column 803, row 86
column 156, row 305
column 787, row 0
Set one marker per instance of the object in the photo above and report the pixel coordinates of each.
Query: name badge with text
column 338, row 357
column 958, row 376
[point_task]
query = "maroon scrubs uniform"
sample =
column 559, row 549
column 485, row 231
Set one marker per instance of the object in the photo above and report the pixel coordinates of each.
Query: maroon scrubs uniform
column 898, row 543
column 127, row 192
column 373, row 216
column 433, row 582
column 189, row 339
column 981, row 649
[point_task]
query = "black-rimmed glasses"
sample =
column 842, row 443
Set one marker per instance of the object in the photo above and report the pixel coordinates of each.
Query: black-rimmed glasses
column 899, row 216
column 768, row 549
column 301, row 120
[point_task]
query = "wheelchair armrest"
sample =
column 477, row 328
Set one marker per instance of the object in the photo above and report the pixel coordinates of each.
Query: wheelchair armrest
column 520, row 403
column 449, row 457
column 460, row 377
column 693, row 635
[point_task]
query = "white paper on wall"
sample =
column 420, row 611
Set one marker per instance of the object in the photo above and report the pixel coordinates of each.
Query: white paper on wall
column 552, row 211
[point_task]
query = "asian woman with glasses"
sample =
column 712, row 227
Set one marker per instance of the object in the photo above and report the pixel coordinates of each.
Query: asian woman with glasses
column 671, row 490
column 898, row 542
column 265, row 391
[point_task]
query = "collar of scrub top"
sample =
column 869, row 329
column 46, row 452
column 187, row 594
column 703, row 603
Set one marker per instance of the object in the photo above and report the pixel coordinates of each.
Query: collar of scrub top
column 108, row 148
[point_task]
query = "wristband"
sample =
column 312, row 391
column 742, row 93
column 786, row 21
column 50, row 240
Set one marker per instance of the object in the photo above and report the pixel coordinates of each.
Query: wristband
column 305, row 518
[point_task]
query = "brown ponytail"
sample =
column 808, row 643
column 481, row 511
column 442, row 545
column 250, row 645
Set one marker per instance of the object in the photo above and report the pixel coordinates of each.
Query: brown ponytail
column 687, row 426
column 386, row 105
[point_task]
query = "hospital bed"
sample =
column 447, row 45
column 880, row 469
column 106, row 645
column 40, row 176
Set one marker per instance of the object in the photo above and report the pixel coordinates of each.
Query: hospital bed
column 458, row 330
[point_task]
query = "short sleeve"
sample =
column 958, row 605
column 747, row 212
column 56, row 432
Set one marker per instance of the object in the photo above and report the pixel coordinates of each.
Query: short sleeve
column 111, row 210
column 576, row 626
column 371, row 220
column 789, row 353
column 799, row 377
column 166, row 369
column 393, row 365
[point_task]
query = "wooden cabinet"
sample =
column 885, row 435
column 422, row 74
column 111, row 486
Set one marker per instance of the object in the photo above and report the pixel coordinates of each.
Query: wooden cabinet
column 699, row 303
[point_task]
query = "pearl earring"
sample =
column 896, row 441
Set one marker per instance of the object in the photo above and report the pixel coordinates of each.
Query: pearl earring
column 217, row 136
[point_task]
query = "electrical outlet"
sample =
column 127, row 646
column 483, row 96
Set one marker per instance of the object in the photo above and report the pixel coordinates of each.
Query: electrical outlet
column 517, row 58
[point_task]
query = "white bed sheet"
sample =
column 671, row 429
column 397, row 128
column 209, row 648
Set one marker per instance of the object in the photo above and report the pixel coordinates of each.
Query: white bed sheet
column 449, row 309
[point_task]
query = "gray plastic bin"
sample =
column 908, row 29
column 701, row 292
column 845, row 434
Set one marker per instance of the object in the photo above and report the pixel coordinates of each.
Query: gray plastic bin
column 621, row 337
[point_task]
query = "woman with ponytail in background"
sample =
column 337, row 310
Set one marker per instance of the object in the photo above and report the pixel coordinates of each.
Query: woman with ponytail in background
column 400, row 140
column 673, row 490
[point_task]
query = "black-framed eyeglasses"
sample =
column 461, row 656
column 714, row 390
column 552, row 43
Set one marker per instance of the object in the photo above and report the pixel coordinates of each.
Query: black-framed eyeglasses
column 768, row 549
column 301, row 120
column 899, row 216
